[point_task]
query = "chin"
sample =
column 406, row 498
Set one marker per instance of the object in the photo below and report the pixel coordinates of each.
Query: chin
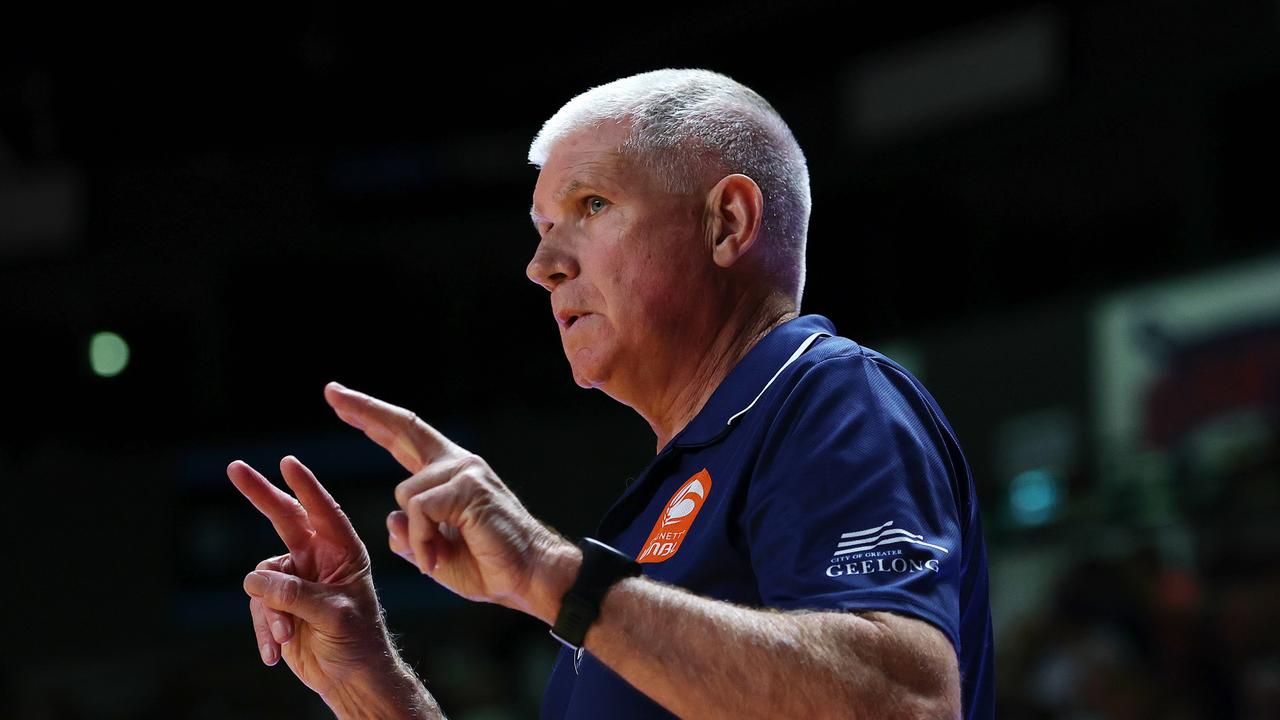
column 587, row 371
column 588, row 380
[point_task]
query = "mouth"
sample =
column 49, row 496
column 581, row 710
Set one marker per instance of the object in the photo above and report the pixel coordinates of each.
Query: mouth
column 571, row 318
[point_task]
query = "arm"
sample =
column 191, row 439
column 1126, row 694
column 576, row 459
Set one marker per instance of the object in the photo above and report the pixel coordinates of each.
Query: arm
column 700, row 657
column 460, row 525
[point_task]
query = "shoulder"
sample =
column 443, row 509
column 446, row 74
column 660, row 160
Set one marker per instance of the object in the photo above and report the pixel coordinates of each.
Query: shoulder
column 838, row 374
column 842, row 398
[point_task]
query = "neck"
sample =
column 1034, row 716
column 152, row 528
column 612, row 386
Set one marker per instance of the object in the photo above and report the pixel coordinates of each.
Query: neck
column 748, row 322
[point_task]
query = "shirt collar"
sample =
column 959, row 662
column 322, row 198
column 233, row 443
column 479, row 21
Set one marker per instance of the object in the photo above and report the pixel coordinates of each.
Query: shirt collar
column 747, row 380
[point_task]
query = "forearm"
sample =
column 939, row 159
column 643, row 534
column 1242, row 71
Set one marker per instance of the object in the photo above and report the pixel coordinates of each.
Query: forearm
column 394, row 694
column 700, row 657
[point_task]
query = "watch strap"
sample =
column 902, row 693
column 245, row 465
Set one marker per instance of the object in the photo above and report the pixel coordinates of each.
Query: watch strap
column 602, row 566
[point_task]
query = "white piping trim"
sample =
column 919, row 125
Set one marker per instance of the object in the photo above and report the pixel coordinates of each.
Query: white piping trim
column 799, row 351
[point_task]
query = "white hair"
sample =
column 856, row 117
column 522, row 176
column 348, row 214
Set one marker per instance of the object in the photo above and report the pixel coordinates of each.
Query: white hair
column 686, row 125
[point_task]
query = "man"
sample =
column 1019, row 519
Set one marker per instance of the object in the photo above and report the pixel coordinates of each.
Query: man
column 805, row 543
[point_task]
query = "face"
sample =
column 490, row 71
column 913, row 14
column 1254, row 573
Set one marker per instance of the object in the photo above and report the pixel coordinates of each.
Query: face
column 624, row 262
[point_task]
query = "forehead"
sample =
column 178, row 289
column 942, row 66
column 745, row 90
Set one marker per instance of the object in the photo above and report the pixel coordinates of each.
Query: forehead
column 585, row 158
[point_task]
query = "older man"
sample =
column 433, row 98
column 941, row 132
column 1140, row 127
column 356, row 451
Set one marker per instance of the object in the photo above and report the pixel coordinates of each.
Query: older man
column 806, row 541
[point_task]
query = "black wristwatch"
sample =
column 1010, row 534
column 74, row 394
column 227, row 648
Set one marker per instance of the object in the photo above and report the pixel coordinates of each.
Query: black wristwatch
column 602, row 566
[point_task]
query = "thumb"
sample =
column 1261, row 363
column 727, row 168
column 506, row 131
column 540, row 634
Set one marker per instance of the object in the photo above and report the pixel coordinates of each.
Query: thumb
column 290, row 593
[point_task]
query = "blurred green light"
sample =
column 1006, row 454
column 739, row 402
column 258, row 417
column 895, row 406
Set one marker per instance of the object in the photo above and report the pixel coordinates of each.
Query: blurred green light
column 108, row 354
column 1034, row 497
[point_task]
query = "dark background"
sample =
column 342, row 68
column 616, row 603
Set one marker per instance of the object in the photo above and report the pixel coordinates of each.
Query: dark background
column 263, row 199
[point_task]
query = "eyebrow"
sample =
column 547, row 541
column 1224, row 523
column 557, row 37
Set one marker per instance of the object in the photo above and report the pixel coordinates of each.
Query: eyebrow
column 573, row 186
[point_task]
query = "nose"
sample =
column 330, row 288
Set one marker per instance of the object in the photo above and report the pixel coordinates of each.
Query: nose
column 552, row 264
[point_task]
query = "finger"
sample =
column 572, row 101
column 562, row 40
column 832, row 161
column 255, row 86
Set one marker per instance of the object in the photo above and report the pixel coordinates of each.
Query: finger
column 323, row 512
column 286, row 514
column 431, row 475
column 279, row 625
column 446, row 505
column 432, row 514
column 400, row 547
column 398, row 536
column 398, row 523
column 422, row 530
column 290, row 593
column 410, row 440
column 268, row 648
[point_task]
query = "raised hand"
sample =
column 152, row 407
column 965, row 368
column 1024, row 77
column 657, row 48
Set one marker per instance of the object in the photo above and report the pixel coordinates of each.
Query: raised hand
column 458, row 522
column 315, row 606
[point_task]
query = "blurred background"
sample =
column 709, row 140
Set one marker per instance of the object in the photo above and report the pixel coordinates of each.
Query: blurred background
column 1062, row 217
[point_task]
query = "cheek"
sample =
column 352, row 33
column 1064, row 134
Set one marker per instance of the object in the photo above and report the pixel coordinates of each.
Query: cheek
column 653, row 272
column 643, row 286
column 650, row 260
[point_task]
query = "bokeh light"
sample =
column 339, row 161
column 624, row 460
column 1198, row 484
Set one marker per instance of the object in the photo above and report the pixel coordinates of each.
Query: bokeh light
column 108, row 354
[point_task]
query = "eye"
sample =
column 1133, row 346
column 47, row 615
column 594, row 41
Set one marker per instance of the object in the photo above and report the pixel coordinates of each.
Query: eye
column 591, row 203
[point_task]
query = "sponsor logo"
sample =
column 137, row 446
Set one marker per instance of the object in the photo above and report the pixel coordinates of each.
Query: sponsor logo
column 677, row 516
column 860, row 552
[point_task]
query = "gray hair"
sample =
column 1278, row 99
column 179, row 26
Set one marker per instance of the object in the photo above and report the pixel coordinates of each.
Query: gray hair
column 685, row 124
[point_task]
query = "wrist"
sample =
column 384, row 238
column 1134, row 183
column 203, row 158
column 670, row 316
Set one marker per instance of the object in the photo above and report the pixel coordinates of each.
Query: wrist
column 601, row 569
column 554, row 577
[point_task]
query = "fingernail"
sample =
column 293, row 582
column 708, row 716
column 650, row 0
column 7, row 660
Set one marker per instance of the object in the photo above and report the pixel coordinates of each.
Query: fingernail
column 338, row 385
column 255, row 583
column 268, row 655
column 279, row 632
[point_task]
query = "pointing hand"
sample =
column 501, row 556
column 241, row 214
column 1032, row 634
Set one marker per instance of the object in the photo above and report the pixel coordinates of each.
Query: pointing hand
column 458, row 522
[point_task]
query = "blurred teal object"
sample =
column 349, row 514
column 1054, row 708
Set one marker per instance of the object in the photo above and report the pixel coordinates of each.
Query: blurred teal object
column 1035, row 496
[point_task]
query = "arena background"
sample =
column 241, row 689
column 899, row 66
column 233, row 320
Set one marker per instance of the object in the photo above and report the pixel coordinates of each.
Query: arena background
column 1061, row 216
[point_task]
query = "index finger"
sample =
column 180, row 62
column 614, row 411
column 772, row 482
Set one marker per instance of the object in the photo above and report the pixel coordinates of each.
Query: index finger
column 286, row 514
column 411, row 441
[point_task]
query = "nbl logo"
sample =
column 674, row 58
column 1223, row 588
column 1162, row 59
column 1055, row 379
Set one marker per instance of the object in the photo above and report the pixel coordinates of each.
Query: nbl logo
column 677, row 517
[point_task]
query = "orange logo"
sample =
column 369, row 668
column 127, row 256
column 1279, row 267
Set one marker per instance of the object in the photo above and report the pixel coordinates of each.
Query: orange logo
column 676, row 518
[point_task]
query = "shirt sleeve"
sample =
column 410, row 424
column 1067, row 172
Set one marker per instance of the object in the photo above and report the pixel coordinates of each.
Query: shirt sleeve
column 852, row 503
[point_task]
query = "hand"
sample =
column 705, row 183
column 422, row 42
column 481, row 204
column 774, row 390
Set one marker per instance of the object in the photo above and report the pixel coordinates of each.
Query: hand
column 458, row 522
column 316, row 604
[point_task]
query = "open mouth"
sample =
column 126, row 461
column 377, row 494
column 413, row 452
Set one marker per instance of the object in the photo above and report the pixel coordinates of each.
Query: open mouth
column 574, row 319
column 568, row 321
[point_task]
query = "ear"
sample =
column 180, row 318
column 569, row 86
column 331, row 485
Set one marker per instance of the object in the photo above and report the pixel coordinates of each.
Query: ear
column 735, row 215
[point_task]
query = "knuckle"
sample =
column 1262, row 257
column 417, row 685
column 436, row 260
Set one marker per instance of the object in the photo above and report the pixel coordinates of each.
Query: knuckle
column 470, row 463
column 404, row 492
column 287, row 590
column 347, row 618
column 411, row 420
column 464, row 483
column 418, row 503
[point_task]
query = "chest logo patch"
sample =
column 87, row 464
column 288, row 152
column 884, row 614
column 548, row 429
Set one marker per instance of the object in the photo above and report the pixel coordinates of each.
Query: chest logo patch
column 677, row 517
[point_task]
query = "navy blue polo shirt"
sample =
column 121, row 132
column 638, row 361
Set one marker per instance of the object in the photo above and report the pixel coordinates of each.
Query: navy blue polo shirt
column 820, row 474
